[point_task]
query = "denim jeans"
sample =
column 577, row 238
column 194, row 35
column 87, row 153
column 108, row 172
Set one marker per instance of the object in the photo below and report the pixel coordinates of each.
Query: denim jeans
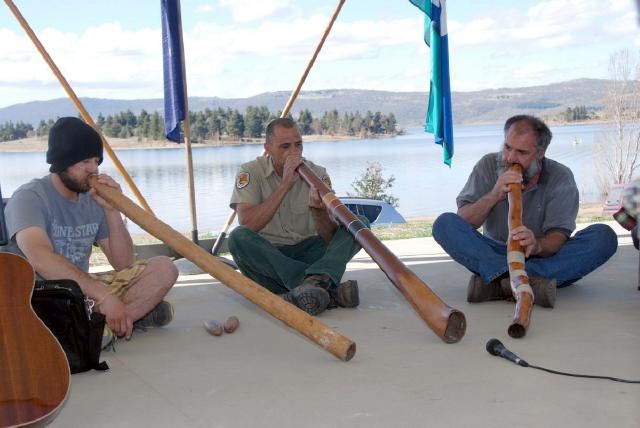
column 580, row 255
column 280, row 268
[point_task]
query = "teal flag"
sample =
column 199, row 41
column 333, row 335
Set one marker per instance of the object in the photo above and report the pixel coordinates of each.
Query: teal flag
column 439, row 121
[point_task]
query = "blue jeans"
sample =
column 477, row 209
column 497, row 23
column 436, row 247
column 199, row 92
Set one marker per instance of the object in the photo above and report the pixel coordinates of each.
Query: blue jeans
column 580, row 255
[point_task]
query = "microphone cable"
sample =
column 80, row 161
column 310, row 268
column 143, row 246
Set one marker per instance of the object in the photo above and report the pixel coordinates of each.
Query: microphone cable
column 615, row 379
column 496, row 348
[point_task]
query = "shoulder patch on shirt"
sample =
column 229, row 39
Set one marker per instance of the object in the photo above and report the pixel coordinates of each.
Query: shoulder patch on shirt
column 242, row 179
column 327, row 181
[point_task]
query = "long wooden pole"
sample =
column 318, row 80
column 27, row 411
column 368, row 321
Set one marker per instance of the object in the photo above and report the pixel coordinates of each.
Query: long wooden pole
column 294, row 95
column 518, row 277
column 74, row 98
column 449, row 324
column 327, row 30
column 340, row 346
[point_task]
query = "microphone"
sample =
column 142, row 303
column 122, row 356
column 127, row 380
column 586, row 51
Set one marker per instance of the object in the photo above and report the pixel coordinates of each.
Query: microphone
column 495, row 347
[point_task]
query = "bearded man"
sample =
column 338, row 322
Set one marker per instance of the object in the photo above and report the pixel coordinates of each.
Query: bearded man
column 54, row 221
column 554, row 258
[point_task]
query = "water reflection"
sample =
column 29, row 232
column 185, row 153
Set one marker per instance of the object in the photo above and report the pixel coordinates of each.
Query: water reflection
column 424, row 185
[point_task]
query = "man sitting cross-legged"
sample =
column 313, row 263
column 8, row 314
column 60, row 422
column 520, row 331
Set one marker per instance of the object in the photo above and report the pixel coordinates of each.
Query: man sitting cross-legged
column 55, row 220
column 286, row 240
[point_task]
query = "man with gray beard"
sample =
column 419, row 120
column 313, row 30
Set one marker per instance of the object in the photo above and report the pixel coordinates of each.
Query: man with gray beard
column 554, row 258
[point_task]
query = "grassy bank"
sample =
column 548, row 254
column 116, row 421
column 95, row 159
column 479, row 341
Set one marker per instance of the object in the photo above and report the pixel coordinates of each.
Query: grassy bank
column 419, row 227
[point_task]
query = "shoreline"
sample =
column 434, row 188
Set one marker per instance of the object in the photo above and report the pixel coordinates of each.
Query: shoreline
column 39, row 144
column 589, row 212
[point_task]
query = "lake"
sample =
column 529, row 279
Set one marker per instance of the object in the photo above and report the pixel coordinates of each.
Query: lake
column 423, row 183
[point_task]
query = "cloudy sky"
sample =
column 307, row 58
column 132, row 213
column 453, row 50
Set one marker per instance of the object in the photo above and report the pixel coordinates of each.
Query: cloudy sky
column 239, row 48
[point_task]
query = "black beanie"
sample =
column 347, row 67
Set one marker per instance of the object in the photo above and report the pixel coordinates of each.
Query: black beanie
column 71, row 141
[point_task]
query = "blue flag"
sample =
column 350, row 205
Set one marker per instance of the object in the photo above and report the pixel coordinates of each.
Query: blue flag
column 174, row 102
column 439, row 120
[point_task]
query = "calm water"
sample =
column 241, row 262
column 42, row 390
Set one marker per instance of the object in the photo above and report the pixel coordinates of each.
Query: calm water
column 424, row 185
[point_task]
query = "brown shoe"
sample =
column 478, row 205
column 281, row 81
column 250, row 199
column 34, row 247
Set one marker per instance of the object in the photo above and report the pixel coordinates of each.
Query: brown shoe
column 318, row 280
column 478, row 291
column 311, row 299
column 345, row 294
column 544, row 290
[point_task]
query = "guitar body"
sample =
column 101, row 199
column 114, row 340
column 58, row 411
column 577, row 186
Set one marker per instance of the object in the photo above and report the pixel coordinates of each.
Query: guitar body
column 34, row 373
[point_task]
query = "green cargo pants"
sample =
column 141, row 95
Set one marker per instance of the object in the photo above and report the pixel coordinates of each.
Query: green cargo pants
column 280, row 268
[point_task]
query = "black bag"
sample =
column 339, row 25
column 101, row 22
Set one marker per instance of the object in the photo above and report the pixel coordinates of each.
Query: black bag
column 61, row 305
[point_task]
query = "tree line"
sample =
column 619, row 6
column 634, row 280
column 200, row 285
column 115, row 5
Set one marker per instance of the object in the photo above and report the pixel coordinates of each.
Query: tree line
column 15, row 131
column 218, row 124
column 577, row 113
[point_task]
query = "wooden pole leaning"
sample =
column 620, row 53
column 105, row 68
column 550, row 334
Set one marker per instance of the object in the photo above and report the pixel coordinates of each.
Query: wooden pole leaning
column 340, row 346
column 447, row 323
column 327, row 30
column 518, row 277
column 294, row 95
column 76, row 101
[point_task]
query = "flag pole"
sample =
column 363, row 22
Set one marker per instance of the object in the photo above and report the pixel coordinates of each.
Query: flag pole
column 191, row 186
column 76, row 101
column 294, row 95
column 187, row 137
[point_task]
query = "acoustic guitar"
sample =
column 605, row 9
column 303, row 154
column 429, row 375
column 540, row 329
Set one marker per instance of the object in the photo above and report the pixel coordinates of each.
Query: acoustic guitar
column 34, row 373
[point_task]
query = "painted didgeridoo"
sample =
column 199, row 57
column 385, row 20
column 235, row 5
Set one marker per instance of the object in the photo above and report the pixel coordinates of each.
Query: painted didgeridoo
column 447, row 323
column 340, row 346
column 518, row 277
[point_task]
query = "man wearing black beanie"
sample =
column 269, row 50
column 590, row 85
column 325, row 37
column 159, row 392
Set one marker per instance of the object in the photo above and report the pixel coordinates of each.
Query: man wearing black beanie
column 55, row 220
column 70, row 141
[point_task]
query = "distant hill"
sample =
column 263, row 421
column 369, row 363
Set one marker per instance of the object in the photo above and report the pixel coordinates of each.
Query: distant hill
column 487, row 106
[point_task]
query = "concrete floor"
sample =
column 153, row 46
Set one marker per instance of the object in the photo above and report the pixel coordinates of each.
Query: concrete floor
column 402, row 375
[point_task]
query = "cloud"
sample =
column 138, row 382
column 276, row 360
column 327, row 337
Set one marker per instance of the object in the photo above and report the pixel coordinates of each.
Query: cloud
column 547, row 25
column 204, row 8
column 268, row 44
column 103, row 61
column 251, row 10
column 627, row 23
column 474, row 32
column 297, row 39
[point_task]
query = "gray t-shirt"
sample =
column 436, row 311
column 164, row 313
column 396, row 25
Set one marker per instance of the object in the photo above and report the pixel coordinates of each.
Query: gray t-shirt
column 293, row 221
column 72, row 227
column 552, row 204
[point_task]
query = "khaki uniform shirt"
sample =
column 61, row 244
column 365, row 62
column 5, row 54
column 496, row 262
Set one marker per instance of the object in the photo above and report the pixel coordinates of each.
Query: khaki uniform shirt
column 293, row 221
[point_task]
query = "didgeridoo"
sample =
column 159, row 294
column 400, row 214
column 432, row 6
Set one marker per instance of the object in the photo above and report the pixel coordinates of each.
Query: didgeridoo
column 340, row 346
column 449, row 324
column 518, row 277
